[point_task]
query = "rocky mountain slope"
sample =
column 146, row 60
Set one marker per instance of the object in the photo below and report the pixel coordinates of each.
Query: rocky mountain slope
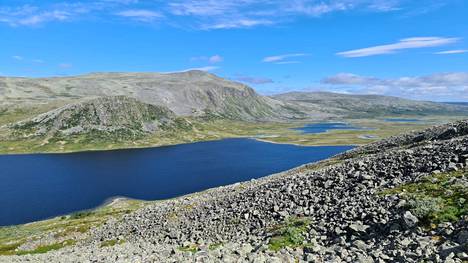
column 403, row 199
column 191, row 93
column 364, row 105
column 117, row 114
column 197, row 93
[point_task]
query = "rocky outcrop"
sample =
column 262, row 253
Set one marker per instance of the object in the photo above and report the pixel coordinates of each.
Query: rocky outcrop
column 118, row 114
column 332, row 211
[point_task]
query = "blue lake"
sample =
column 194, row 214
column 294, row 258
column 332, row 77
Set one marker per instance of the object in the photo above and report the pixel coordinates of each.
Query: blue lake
column 326, row 126
column 39, row 186
column 401, row 120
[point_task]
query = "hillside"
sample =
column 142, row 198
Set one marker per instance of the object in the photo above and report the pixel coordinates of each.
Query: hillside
column 102, row 111
column 197, row 93
column 362, row 106
column 192, row 93
column 399, row 200
column 107, row 115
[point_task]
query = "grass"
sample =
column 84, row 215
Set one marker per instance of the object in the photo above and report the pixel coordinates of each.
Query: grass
column 214, row 246
column 435, row 199
column 82, row 214
column 190, row 248
column 70, row 228
column 47, row 248
column 111, row 243
column 215, row 129
column 290, row 234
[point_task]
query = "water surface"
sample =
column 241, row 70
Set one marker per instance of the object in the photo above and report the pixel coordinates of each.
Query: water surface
column 401, row 120
column 326, row 126
column 40, row 186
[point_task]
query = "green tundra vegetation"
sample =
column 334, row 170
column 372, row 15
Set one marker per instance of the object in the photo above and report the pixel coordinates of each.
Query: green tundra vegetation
column 187, row 130
column 437, row 198
column 65, row 230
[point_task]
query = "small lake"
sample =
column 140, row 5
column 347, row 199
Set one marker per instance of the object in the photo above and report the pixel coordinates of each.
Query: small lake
column 401, row 120
column 40, row 186
column 326, row 126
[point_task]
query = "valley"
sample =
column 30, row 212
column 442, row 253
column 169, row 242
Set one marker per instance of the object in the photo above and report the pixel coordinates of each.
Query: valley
column 89, row 112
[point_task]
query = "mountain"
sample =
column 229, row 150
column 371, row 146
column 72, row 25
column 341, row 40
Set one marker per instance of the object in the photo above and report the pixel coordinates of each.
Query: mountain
column 457, row 103
column 116, row 114
column 197, row 93
column 364, row 105
column 192, row 93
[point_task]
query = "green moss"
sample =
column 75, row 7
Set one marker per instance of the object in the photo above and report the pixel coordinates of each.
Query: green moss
column 191, row 248
column 82, row 214
column 111, row 243
column 214, row 246
column 289, row 234
column 436, row 198
column 64, row 227
column 9, row 249
column 47, row 248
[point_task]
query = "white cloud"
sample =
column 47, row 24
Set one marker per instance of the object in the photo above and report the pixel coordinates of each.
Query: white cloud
column 440, row 85
column 280, row 59
column 455, row 51
column 253, row 80
column 407, row 43
column 39, row 61
column 211, row 59
column 141, row 15
column 55, row 15
column 18, row 57
column 200, row 14
column 65, row 65
column 287, row 62
column 215, row 14
column 237, row 23
column 215, row 59
column 207, row 68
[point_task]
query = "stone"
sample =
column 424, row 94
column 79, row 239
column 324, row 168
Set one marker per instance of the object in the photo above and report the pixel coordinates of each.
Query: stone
column 410, row 220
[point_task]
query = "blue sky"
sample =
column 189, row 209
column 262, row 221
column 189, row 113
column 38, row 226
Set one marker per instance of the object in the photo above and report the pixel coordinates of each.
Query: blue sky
column 414, row 49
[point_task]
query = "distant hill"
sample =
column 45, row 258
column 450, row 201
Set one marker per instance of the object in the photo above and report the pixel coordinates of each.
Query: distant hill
column 364, row 105
column 116, row 115
column 192, row 93
column 201, row 94
column 457, row 103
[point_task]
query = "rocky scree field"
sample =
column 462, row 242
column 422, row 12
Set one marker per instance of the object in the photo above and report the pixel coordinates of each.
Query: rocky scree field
column 403, row 199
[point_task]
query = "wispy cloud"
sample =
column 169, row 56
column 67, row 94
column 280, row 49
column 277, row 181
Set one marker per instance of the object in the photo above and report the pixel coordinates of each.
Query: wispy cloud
column 17, row 57
column 141, row 15
column 207, row 68
column 253, row 80
column 65, row 65
column 442, row 85
column 199, row 14
column 449, row 52
column 28, row 15
column 210, row 59
column 213, row 14
column 237, row 23
column 407, row 43
column 288, row 62
column 281, row 59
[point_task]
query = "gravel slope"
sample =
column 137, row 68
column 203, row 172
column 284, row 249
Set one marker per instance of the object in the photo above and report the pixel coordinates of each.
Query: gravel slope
column 347, row 219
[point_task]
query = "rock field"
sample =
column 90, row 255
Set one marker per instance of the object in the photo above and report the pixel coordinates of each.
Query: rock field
column 333, row 211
